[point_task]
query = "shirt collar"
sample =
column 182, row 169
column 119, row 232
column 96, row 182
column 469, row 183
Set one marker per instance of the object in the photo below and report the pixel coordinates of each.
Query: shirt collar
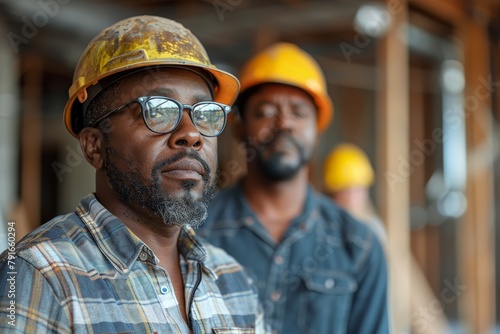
column 122, row 247
column 302, row 223
column 191, row 248
column 249, row 218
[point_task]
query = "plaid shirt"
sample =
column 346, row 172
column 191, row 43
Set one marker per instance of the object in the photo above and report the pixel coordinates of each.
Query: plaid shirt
column 85, row 272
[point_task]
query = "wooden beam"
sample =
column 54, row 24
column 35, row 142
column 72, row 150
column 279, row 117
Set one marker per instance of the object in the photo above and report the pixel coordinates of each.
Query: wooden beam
column 31, row 145
column 450, row 11
column 477, row 230
column 455, row 11
column 393, row 150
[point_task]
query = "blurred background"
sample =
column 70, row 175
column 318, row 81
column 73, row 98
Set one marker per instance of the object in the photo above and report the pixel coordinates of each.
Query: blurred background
column 415, row 84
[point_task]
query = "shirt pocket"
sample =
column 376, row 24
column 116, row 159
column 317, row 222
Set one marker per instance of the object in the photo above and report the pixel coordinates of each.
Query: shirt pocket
column 233, row 330
column 326, row 301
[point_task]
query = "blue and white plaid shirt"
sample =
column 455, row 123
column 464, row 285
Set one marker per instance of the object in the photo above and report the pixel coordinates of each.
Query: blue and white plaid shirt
column 86, row 272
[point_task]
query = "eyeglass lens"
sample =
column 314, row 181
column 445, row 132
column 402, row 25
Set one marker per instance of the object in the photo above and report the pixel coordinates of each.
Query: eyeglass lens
column 163, row 115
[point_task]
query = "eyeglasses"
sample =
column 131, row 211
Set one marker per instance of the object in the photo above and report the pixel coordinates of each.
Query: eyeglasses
column 163, row 114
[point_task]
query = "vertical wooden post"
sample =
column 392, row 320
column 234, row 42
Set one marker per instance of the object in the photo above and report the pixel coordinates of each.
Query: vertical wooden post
column 393, row 164
column 477, row 230
column 31, row 128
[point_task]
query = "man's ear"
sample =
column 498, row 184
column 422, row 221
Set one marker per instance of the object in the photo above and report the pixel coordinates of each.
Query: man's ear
column 92, row 144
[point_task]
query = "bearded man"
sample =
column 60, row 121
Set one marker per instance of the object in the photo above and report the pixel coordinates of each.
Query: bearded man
column 147, row 106
column 318, row 269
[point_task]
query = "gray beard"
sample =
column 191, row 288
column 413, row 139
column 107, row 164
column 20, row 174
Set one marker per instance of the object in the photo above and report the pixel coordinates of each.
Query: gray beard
column 132, row 189
column 182, row 211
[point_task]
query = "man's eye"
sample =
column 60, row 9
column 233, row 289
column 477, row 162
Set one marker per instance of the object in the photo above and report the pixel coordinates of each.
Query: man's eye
column 267, row 111
column 300, row 112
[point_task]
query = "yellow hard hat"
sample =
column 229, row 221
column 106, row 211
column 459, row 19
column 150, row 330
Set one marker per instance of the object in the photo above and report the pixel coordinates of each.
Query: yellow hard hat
column 286, row 63
column 347, row 166
column 139, row 42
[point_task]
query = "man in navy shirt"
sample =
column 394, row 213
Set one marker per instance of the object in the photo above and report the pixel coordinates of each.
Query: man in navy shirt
column 318, row 269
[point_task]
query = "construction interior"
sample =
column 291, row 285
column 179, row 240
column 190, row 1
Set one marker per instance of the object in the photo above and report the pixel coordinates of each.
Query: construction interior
column 416, row 84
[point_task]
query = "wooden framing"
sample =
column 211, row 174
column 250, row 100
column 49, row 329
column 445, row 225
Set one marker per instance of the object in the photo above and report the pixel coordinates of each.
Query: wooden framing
column 393, row 181
column 31, row 136
column 451, row 11
column 476, row 236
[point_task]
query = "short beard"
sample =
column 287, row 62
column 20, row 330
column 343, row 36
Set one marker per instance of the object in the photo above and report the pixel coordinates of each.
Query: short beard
column 274, row 168
column 132, row 189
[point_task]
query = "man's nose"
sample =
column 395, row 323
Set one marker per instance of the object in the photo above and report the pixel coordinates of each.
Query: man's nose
column 186, row 134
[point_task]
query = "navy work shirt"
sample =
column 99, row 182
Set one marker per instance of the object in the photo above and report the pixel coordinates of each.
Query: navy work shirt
column 328, row 274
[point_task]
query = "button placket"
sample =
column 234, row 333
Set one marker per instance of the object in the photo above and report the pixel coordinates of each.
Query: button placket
column 277, row 284
column 164, row 289
column 278, row 260
column 275, row 296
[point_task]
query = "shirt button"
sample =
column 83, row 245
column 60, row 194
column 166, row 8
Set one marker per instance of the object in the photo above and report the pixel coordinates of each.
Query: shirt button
column 329, row 283
column 164, row 289
column 275, row 296
column 143, row 256
column 278, row 259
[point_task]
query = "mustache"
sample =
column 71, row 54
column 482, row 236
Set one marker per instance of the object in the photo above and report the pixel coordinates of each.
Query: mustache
column 184, row 154
column 283, row 135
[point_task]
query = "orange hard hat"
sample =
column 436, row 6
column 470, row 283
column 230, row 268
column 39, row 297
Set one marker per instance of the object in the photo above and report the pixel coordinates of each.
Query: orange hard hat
column 347, row 166
column 286, row 63
column 139, row 42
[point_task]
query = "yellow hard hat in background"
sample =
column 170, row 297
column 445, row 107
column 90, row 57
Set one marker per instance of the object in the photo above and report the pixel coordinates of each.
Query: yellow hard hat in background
column 139, row 42
column 286, row 63
column 347, row 166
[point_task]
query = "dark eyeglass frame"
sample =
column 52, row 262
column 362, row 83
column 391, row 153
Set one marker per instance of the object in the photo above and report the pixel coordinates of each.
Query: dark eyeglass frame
column 143, row 100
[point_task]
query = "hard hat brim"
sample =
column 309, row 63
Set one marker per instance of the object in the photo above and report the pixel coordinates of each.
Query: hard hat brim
column 226, row 90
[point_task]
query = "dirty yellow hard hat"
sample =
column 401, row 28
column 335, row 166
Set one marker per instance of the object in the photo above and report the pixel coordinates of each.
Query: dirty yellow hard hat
column 136, row 43
column 288, row 64
column 347, row 166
